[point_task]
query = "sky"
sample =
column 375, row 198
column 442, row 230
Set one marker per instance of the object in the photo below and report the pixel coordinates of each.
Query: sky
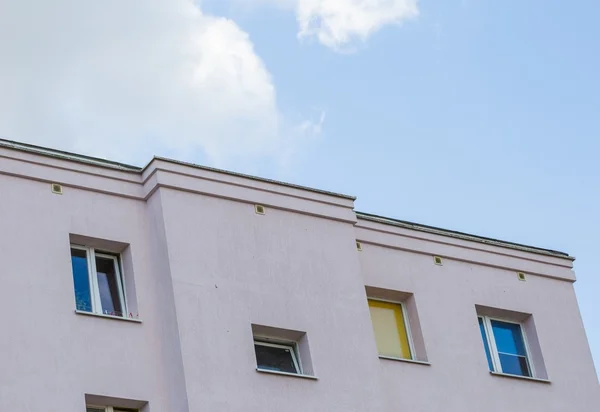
column 474, row 115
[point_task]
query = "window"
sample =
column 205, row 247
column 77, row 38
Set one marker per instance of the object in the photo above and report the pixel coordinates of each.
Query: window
column 391, row 330
column 97, row 282
column 505, row 346
column 107, row 409
column 280, row 350
column 276, row 357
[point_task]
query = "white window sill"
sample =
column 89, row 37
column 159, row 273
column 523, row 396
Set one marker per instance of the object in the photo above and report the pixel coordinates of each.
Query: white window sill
column 295, row 375
column 527, row 378
column 418, row 362
column 100, row 315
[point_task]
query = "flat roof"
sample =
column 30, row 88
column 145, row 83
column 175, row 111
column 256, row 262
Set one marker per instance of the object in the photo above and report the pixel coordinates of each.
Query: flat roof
column 96, row 161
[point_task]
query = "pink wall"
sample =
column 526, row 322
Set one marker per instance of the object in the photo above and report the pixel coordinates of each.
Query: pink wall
column 458, row 378
column 51, row 357
column 206, row 267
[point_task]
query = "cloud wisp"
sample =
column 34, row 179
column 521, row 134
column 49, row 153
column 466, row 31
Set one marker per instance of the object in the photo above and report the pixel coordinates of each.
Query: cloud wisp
column 342, row 25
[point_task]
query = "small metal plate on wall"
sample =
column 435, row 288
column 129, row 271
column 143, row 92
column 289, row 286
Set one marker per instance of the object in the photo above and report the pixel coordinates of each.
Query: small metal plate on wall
column 56, row 188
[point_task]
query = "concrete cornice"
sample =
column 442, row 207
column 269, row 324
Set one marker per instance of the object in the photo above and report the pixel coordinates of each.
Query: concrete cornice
column 141, row 184
column 119, row 179
column 372, row 233
column 461, row 236
column 89, row 160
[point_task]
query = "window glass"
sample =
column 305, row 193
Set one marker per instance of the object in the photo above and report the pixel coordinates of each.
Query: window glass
column 108, row 286
column 515, row 365
column 485, row 344
column 81, row 280
column 275, row 358
column 508, row 338
column 511, row 348
column 390, row 329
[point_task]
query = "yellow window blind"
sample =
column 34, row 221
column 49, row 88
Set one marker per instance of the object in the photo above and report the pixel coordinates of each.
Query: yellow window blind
column 390, row 329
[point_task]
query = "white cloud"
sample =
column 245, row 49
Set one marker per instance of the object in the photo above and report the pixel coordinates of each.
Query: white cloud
column 341, row 24
column 128, row 79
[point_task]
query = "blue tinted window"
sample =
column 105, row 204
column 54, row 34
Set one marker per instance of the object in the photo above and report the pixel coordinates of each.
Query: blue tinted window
column 485, row 344
column 511, row 348
column 515, row 365
column 81, row 280
column 509, row 338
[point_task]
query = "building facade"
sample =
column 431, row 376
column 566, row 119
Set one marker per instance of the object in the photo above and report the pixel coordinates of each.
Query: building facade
column 180, row 288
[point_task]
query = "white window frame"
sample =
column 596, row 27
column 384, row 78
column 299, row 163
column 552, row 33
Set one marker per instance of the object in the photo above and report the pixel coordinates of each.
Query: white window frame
column 491, row 342
column 411, row 345
column 108, row 408
column 291, row 346
column 93, row 279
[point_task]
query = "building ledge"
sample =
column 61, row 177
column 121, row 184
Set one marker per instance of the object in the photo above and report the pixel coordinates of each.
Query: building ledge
column 60, row 154
column 99, row 315
column 527, row 378
column 294, row 375
column 418, row 362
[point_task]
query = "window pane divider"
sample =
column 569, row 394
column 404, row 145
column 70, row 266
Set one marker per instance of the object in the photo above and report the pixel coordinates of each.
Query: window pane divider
column 489, row 332
column 528, row 357
column 411, row 345
column 96, row 301
column 512, row 354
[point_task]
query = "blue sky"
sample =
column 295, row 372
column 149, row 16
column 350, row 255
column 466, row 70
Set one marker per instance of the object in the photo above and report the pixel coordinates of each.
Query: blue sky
column 479, row 116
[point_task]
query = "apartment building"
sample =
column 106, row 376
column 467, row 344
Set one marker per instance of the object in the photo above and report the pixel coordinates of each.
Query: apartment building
column 181, row 288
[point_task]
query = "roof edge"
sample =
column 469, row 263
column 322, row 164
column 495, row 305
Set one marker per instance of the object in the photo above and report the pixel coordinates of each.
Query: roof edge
column 96, row 161
column 462, row 235
column 246, row 176
column 64, row 155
